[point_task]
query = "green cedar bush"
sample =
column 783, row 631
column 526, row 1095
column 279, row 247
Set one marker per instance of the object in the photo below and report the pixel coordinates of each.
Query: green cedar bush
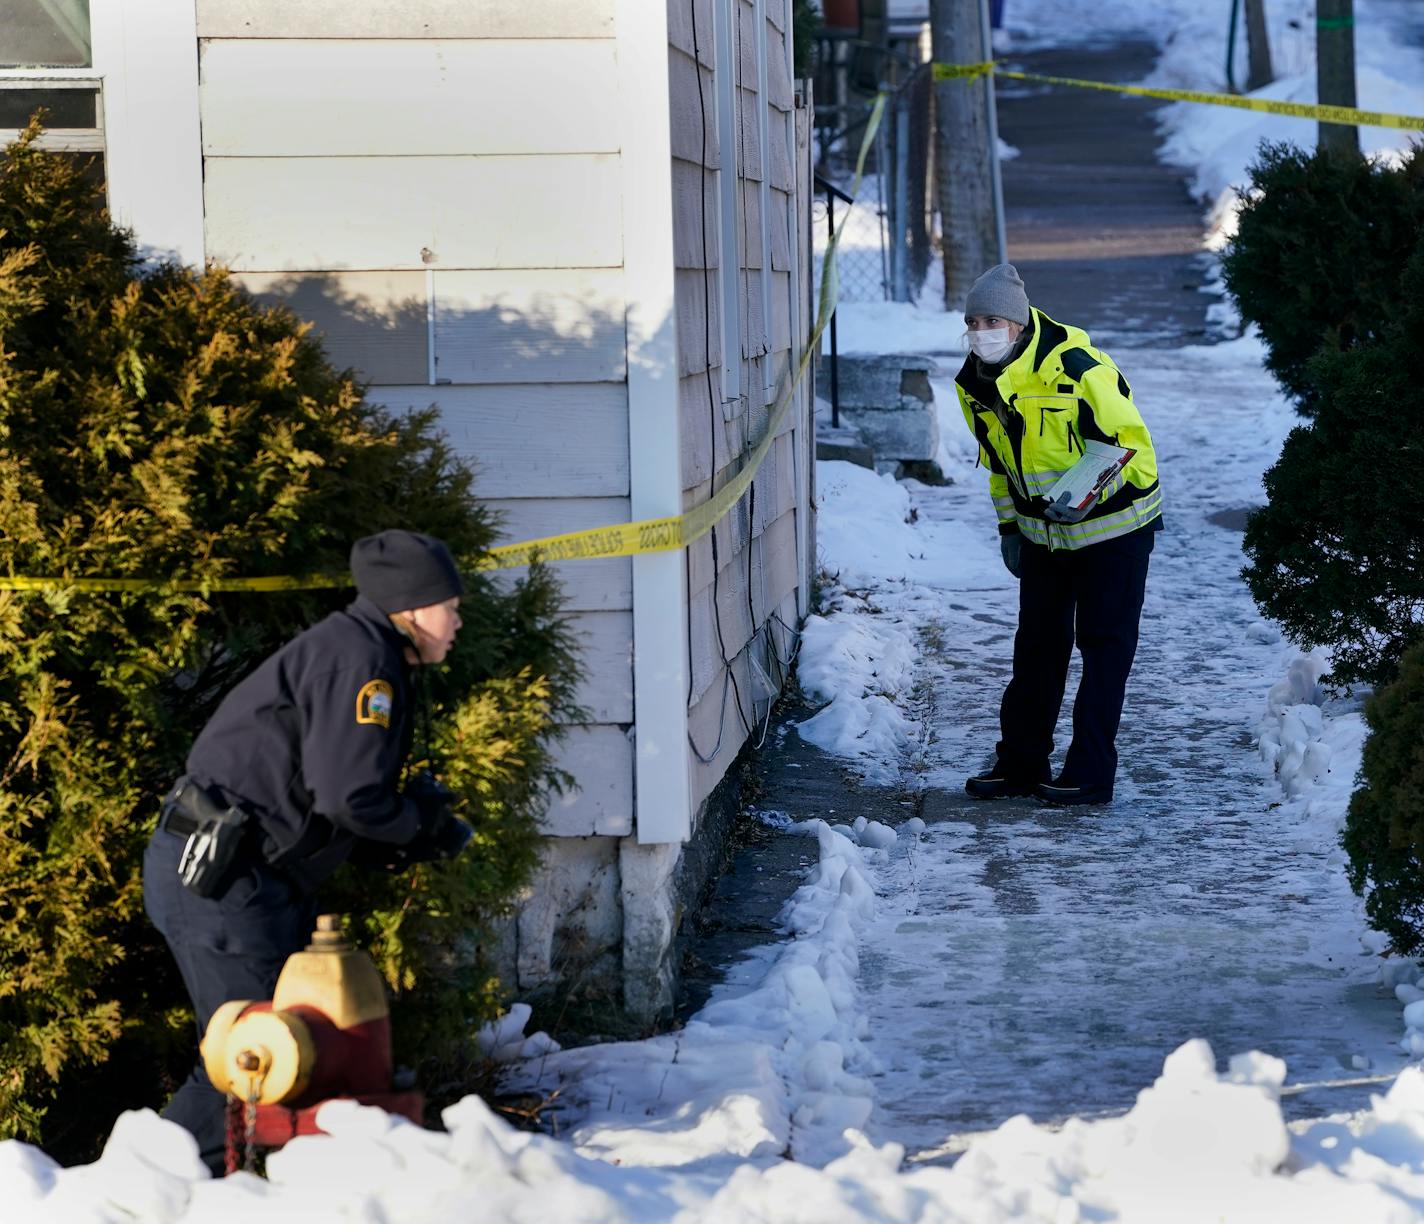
column 1316, row 260
column 1337, row 556
column 1384, row 832
column 156, row 422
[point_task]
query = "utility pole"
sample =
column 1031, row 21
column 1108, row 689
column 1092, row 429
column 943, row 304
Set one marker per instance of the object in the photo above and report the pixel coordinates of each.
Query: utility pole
column 1335, row 70
column 1258, row 46
column 966, row 156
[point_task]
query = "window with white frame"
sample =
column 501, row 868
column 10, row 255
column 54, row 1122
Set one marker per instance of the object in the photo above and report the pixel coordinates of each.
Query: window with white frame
column 45, row 34
column 46, row 64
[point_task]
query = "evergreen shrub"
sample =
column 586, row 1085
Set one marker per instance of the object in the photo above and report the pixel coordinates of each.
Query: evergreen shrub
column 1317, row 257
column 1337, row 554
column 1384, row 833
column 157, row 422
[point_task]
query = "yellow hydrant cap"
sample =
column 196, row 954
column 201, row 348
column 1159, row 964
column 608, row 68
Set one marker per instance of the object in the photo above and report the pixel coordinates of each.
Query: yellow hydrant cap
column 268, row 1057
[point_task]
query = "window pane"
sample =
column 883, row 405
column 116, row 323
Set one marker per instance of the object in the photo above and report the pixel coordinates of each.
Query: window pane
column 91, row 166
column 44, row 33
column 67, row 108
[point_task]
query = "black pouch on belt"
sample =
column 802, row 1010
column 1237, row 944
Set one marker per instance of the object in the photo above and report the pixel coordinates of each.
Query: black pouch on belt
column 214, row 835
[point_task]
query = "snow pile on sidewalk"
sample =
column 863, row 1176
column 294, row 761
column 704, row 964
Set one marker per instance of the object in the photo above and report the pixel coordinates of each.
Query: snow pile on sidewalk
column 860, row 664
column 1316, row 754
column 858, row 668
column 1314, row 746
column 1198, row 1145
column 695, row 1125
column 763, row 1067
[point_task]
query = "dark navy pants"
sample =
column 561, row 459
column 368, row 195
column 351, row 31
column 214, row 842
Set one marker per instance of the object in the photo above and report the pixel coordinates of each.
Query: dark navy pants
column 1095, row 594
column 227, row 947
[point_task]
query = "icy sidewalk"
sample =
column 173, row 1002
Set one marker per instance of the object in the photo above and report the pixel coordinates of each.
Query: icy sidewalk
column 1043, row 962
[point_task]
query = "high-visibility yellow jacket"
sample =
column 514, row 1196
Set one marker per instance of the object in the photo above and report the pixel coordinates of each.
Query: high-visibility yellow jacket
column 1031, row 421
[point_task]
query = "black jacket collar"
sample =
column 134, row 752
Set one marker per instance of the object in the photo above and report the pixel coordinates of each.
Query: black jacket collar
column 363, row 610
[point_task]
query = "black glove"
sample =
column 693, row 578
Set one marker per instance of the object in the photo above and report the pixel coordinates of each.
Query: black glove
column 451, row 837
column 441, row 835
column 1061, row 512
column 1011, row 547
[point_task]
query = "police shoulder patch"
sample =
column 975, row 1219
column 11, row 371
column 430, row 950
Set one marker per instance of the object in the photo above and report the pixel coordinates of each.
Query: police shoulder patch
column 374, row 703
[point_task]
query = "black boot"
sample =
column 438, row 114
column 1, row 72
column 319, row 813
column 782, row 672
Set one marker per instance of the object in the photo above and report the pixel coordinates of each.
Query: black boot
column 1062, row 794
column 998, row 783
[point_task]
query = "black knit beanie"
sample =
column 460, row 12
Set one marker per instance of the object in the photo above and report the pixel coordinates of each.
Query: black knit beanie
column 397, row 570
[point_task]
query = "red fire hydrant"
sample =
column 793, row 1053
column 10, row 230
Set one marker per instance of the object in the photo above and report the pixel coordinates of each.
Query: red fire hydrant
column 324, row 1034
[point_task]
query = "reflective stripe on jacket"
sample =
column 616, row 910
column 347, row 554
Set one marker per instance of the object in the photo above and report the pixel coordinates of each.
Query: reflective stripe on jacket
column 1031, row 421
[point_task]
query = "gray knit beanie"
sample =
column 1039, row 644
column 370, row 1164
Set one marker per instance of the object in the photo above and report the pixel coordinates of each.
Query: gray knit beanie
column 1000, row 291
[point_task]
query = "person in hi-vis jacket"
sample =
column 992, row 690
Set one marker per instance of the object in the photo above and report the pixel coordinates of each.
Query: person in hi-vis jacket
column 1033, row 391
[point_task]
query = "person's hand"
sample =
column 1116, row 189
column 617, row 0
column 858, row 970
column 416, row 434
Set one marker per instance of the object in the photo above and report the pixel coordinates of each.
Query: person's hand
column 431, row 797
column 1061, row 512
column 442, row 834
column 451, row 837
column 1011, row 549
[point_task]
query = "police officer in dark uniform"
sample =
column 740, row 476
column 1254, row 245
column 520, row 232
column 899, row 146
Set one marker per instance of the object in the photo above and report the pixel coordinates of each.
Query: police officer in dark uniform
column 300, row 766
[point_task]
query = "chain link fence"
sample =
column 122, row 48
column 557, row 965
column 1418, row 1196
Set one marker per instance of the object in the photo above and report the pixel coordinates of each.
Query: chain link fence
column 887, row 244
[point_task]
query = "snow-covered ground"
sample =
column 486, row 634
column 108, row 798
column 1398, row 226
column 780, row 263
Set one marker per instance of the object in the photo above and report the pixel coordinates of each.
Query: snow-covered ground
column 1111, row 1015
column 1069, row 1002
column 1036, row 961
column 1213, row 145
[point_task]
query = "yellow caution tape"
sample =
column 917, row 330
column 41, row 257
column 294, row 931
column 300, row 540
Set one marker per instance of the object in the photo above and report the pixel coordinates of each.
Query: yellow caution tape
column 664, row 534
column 615, row 540
column 203, row 586
column 1349, row 115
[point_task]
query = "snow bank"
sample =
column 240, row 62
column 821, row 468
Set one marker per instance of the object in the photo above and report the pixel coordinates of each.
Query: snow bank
column 895, row 327
column 696, row 1125
column 1216, row 144
column 1199, row 1144
column 861, row 666
column 859, row 669
column 1316, row 754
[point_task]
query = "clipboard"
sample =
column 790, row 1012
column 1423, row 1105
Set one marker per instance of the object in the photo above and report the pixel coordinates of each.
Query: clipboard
column 1100, row 464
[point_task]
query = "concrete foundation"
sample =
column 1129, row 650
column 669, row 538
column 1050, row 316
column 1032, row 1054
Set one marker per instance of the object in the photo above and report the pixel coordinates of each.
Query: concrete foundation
column 613, row 914
column 887, row 399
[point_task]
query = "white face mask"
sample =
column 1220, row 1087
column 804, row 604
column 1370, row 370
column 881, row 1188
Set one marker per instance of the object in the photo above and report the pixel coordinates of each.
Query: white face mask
column 992, row 345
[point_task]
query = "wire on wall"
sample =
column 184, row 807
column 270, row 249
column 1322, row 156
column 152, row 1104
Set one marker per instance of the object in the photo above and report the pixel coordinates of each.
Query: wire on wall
column 729, row 674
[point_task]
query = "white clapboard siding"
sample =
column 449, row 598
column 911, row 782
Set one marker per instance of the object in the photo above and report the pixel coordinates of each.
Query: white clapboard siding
column 779, row 172
column 692, row 124
column 779, row 230
column 780, row 568
column 405, row 19
column 603, row 645
column 780, row 92
column 530, row 439
column 373, row 323
column 694, row 434
column 530, row 325
column 682, row 36
column 588, row 586
column 755, row 338
column 781, row 291
column 274, row 214
column 601, row 759
column 383, row 97
column 749, row 134
column 699, row 336
column 697, row 234
column 710, row 718
column 751, row 223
